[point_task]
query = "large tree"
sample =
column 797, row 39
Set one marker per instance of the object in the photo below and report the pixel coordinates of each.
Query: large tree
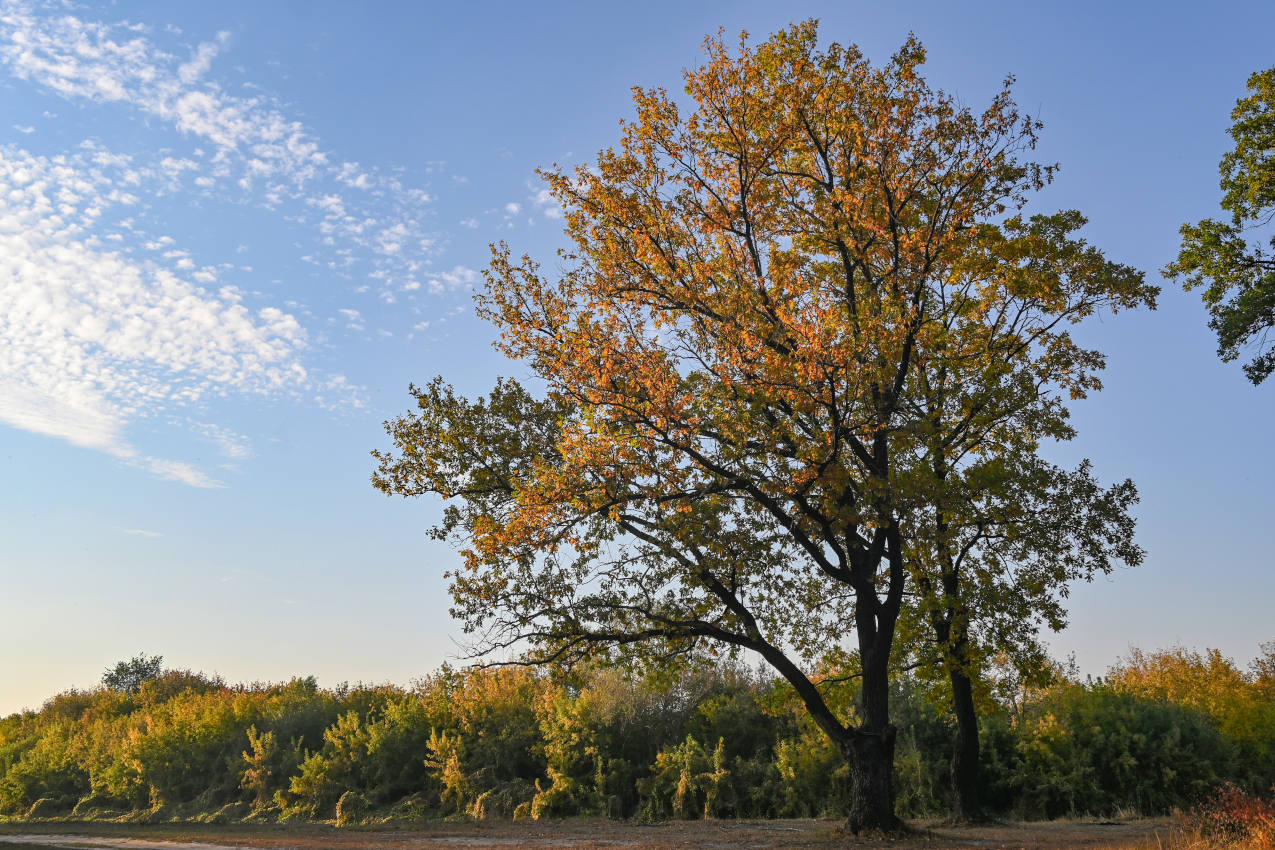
column 1227, row 258
column 733, row 440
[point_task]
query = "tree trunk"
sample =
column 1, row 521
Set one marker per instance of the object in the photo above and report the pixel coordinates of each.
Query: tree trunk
column 950, row 625
column 870, row 747
column 871, row 758
column 966, row 805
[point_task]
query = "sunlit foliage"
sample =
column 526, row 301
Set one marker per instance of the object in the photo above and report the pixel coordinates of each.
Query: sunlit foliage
column 719, row 741
column 804, row 338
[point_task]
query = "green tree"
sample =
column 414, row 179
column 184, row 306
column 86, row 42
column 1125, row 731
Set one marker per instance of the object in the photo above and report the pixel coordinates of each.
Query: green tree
column 1004, row 535
column 129, row 676
column 1228, row 258
column 733, row 444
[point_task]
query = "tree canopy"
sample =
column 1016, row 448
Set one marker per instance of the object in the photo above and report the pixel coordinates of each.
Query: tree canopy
column 129, row 676
column 792, row 317
column 1227, row 258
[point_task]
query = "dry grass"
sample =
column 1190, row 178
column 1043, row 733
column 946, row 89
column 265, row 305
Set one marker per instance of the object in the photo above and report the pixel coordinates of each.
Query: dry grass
column 1187, row 838
column 598, row 835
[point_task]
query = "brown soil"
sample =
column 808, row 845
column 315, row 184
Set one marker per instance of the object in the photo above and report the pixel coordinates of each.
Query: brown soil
column 584, row 835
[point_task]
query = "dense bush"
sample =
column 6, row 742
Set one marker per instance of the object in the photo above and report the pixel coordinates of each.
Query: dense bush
column 1162, row 732
column 1096, row 749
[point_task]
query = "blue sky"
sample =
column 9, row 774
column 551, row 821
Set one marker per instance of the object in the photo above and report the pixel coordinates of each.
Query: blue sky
column 231, row 234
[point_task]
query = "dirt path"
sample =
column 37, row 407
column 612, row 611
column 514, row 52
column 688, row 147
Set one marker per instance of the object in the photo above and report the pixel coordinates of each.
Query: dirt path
column 580, row 835
column 72, row 840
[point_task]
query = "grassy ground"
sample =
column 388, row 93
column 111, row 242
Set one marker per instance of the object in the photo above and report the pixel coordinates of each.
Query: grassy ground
column 1151, row 834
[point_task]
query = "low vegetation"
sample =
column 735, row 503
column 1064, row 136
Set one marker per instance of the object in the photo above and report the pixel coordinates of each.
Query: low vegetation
column 1165, row 731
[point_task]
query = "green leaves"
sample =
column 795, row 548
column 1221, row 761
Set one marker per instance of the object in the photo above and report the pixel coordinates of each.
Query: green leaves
column 1248, row 171
column 1228, row 259
column 129, row 676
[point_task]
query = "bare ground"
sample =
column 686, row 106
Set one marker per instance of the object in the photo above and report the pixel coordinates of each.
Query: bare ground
column 585, row 835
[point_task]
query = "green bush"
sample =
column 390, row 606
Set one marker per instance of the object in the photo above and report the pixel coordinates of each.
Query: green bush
column 1095, row 750
column 705, row 741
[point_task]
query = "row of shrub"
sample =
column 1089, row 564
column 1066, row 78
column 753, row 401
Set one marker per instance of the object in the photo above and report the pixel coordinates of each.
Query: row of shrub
column 1161, row 732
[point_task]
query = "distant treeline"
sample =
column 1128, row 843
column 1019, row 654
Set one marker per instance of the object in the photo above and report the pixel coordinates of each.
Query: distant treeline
column 1160, row 732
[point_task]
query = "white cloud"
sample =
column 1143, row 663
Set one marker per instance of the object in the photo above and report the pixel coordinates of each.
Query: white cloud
column 459, row 276
column 173, row 168
column 512, row 208
column 179, row 471
column 242, row 145
column 141, row 532
column 353, row 319
column 471, row 223
column 25, row 129
column 105, row 326
column 544, row 201
column 232, row 445
column 103, row 62
column 64, row 408
column 353, row 176
column 91, row 340
column 343, row 393
column 202, row 60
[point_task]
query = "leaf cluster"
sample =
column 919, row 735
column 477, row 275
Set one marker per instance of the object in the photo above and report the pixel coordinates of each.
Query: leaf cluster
column 1234, row 261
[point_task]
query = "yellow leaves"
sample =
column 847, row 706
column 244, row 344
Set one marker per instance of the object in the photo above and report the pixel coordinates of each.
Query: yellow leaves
column 783, row 306
column 1210, row 682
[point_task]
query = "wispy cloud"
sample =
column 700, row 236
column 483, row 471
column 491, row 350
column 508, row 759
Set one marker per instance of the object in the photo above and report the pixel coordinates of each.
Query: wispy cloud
column 353, row 319
column 240, row 147
column 179, row 471
column 114, row 63
column 141, row 532
column 104, row 325
column 546, row 203
column 232, row 446
column 459, row 277
column 91, row 339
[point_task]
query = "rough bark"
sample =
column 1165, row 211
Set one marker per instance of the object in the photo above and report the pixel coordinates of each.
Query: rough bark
column 871, row 758
column 870, row 747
